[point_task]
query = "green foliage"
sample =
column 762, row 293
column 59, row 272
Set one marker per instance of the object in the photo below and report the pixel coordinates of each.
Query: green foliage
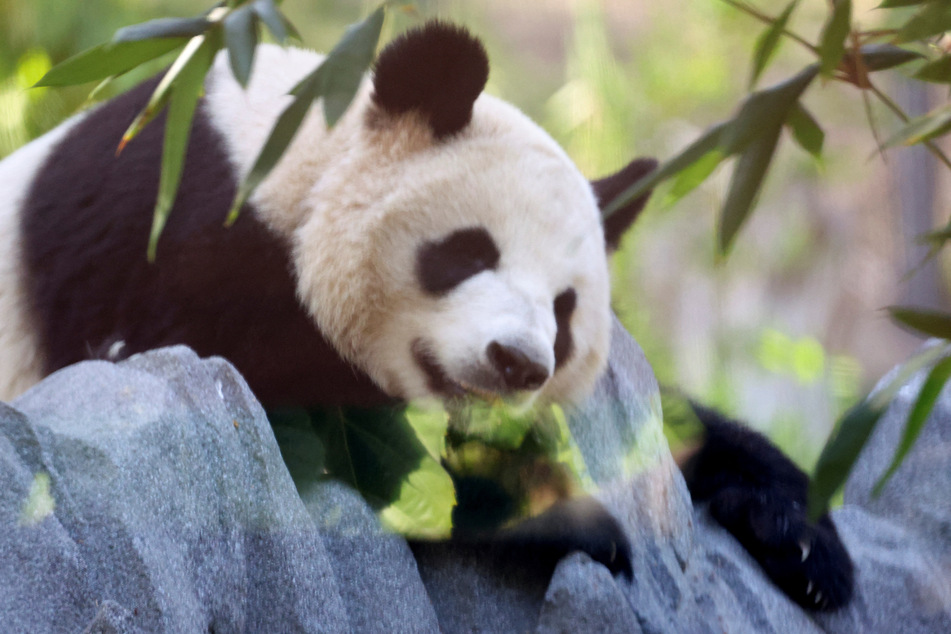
column 768, row 43
column 407, row 462
column 844, row 54
column 937, row 378
column 241, row 38
column 383, row 453
column 108, row 60
column 806, row 130
column 183, row 84
column 840, row 454
column 934, row 18
column 834, row 34
column 935, row 124
column 752, row 134
column 335, row 81
column 803, row 358
column 855, row 428
column 937, row 71
column 931, row 323
column 39, row 503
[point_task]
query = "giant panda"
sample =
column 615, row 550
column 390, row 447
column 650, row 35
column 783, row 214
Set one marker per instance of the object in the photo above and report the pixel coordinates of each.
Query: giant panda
column 435, row 243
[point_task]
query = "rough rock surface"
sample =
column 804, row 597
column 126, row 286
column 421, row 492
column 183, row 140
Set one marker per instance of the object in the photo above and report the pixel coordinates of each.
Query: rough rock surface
column 150, row 496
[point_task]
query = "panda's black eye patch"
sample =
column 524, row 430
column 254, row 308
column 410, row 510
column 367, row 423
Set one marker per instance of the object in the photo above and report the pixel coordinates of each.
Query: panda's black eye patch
column 443, row 265
column 564, row 307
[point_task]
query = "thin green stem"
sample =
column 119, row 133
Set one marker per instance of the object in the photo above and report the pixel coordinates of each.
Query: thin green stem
column 762, row 17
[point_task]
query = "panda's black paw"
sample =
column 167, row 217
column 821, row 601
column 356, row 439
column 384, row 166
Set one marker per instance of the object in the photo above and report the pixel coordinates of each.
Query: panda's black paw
column 807, row 561
column 759, row 495
column 581, row 524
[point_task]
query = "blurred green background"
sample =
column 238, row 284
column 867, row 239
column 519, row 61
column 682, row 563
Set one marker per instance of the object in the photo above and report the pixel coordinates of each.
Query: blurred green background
column 786, row 332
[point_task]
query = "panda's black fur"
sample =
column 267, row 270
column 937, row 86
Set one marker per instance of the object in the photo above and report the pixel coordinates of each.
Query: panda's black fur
column 760, row 496
column 228, row 293
column 84, row 228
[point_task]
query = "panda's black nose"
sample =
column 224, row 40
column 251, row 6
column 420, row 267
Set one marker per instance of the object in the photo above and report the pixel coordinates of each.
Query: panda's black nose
column 517, row 370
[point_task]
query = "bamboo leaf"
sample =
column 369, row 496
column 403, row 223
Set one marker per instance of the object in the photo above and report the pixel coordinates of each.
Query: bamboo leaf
column 346, row 64
column 688, row 179
column 157, row 102
column 937, row 71
column 241, row 38
column 834, row 34
column 747, row 180
column 806, row 130
column 840, row 453
column 107, row 60
column 884, row 56
column 923, row 128
column 95, row 92
column 336, row 80
column 272, row 18
column 938, row 237
column 892, row 4
column 303, row 452
column 187, row 89
column 765, row 111
column 933, row 18
column 708, row 142
column 854, row 429
column 423, row 508
column 292, row 32
column 283, row 132
column 931, row 323
column 162, row 93
column 162, row 28
column 768, row 41
column 924, row 404
column 373, row 450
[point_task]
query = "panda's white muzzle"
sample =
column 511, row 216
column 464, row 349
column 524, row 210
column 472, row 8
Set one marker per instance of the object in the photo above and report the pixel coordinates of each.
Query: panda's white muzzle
column 507, row 370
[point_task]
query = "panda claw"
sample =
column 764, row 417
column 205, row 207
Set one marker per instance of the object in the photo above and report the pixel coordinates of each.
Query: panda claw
column 809, row 588
column 806, row 548
column 115, row 350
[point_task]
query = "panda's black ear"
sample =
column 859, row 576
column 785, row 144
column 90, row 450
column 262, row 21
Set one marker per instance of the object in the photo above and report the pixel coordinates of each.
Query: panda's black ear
column 437, row 70
column 605, row 189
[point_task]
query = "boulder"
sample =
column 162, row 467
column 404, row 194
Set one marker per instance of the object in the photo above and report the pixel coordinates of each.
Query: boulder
column 150, row 496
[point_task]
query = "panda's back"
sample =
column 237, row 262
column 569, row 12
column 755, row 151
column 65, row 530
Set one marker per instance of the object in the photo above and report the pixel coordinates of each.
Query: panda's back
column 83, row 223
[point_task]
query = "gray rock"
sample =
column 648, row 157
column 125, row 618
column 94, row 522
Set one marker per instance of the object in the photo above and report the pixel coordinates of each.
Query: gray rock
column 583, row 597
column 173, row 503
column 900, row 541
column 476, row 590
column 43, row 580
column 174, row 512
column 112, row 618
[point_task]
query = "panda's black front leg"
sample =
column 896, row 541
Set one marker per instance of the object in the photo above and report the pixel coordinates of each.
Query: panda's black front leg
column 576, row 524
column 760, row 496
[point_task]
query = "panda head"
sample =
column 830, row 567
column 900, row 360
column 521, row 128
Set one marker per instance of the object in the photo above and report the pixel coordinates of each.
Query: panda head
column 452, row 248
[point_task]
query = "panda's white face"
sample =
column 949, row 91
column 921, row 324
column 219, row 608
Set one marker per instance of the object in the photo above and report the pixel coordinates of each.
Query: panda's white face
column 482, row 268
column 504, row 291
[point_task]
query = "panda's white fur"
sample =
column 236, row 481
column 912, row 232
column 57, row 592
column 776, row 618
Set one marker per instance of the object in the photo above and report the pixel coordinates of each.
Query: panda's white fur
column 381, row 192
column 20, row 360
column 356, row 203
